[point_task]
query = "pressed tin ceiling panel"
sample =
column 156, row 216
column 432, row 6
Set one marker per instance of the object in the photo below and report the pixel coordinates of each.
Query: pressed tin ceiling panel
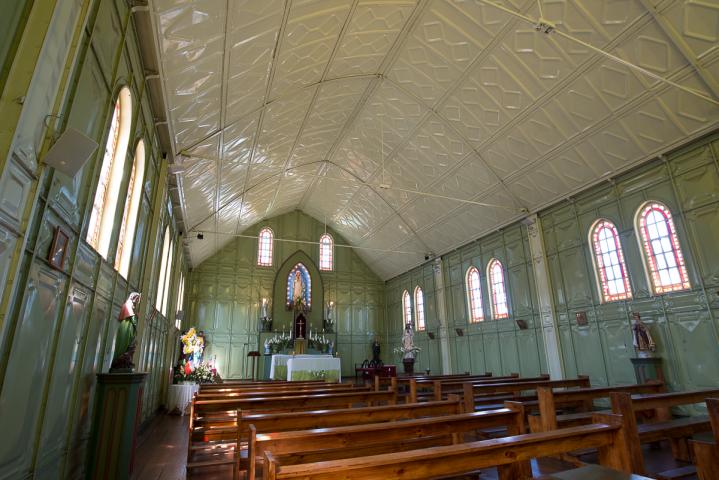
column 320, row 105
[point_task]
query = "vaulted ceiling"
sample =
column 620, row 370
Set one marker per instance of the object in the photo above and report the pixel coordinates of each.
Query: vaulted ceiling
column 376, row 116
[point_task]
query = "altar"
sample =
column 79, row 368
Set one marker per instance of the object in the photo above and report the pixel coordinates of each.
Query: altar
column 306, row 367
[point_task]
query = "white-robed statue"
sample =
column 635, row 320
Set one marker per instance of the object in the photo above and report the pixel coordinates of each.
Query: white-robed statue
column 408, row 342
column 298, row 287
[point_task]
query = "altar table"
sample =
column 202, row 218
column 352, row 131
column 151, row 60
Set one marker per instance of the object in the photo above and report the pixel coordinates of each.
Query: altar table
column 179, row 396
column 306, row 367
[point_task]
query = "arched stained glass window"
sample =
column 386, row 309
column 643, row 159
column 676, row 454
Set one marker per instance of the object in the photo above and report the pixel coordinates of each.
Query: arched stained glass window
column 609, row 266
column 326, row 252
column 102, row 215
column 129, row 216
column 264, row 247
column 406, row 308
column 419, row 308
column 474, row 295
column 498, row 289
column 663, row 257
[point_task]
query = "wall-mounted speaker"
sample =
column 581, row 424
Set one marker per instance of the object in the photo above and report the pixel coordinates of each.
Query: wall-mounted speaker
column 70, row 152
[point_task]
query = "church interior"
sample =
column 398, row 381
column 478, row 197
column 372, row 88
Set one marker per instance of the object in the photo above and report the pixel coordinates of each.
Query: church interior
column 359, row 239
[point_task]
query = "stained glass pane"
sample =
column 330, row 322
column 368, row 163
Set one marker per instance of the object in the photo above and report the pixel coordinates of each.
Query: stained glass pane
column 609, row 262
column 264, row 247
column 662, row 251
column 419, row 308
column 406, row 308
column 500, row 307
column 326, row 254
column 474, row 294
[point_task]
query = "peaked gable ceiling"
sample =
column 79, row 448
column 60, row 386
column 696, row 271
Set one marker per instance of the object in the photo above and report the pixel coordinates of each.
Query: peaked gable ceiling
column 378, row 115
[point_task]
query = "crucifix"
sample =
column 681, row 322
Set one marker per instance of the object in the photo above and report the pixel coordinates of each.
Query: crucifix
column 300, row 326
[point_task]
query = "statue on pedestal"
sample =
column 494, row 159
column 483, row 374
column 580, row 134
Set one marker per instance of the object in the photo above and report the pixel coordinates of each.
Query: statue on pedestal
column 643, row 342
column 376, row 348
column 125, row 339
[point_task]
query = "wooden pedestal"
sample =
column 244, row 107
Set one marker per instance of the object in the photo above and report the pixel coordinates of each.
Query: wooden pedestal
column 648, row 368
column 118, row 406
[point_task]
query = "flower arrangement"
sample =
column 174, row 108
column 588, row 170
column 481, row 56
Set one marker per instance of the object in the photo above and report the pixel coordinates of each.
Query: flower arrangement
column 319, row 342
column 407, row 352
column 204, row 372
column 279, row 342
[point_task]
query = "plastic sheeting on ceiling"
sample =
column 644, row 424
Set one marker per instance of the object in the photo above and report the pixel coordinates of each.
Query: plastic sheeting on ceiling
column 280, row 105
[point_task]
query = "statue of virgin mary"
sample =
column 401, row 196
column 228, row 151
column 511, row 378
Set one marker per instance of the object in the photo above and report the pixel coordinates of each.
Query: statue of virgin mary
column 298, row 287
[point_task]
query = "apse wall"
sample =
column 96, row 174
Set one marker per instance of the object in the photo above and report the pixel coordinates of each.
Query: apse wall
column 57, row 326
column 224, row 294
column 684, row 324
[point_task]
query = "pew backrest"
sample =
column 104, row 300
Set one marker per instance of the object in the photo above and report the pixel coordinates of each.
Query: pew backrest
column 470, row 390
column 605, row 434
column 294, row 402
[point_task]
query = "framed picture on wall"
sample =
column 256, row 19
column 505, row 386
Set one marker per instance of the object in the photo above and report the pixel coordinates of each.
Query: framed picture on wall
column 58, row 249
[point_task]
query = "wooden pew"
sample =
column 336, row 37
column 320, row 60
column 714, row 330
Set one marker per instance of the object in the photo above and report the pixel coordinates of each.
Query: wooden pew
column 509, row 454
column 291, row 403
column 227, row 410
column 474, row 393
column 582, row 399
column 345, row 442
column 281, row 391
column 443, row 388
column 706, row 451
column 273, row 383
column 279, row 422
column 676, row 430
column 206, row 438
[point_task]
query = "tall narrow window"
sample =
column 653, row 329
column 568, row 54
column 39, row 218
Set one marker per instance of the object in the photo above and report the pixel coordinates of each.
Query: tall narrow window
column 102, row 216
column 498, row 289
column 264, row 247
column 180, row 293
column 419, row 308
column 406, row 309
column 168, row 277
column 326, row 252
column 663, row 257
column 163, row 270
column 474, row 295
column 609, row 266
column 129, row 216
column 180, row 298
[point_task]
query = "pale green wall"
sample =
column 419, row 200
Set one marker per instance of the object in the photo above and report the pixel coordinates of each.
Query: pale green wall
column 497, row 346
column 684, row 324
column 11, row 21
column 57, row 328
column 224, row 294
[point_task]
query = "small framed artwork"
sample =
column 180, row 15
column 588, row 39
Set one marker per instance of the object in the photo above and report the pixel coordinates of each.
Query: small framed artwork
column 460, row 332
column 430, row 335
column 582, row 319
column 521, row 324
column 58, row 250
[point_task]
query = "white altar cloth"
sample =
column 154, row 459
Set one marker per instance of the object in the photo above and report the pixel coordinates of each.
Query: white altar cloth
column 180, row 396
column 305, row 367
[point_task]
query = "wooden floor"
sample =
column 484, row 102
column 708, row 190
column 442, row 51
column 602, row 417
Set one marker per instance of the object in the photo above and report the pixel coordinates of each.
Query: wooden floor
column 162, row 449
